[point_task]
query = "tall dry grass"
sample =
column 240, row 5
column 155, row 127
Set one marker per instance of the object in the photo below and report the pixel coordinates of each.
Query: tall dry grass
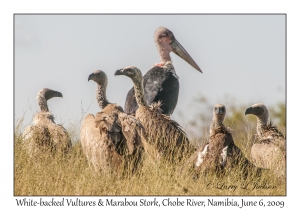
column 71, row 174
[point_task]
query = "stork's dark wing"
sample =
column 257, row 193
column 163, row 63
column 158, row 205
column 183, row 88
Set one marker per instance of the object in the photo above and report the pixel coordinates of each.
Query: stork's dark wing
column 159, row 85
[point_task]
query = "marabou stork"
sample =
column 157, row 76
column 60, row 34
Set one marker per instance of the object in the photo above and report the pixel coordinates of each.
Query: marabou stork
column 159, row 83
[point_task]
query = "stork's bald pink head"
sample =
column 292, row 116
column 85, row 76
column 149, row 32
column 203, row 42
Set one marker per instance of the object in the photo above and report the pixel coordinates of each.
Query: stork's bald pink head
column 166, row 43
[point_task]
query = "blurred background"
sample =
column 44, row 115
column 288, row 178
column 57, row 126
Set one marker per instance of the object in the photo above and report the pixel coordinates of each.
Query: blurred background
column 242, row 58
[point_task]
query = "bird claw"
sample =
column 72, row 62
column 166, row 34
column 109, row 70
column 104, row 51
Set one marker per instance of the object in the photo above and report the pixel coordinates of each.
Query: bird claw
column 158, row 64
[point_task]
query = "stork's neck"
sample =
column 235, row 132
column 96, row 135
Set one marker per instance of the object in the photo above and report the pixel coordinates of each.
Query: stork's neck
column 139, row 92
column 42, row 102
column 101, row 96
column 262, row 122
column 164, row 50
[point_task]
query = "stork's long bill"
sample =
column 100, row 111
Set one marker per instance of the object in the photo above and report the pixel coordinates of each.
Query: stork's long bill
column 179, row 50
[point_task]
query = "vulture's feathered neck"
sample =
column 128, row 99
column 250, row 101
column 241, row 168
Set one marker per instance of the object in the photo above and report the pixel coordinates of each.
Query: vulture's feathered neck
column 101, row 95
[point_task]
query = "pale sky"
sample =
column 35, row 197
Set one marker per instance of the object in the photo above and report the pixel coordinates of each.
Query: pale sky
column 240, row 55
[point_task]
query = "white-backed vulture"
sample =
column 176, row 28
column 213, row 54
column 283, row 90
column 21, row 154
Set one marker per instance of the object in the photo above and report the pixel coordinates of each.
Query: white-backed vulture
column 220, row 153
column 45, row 134
column 111, row 140
column 165, row 136
column 270, row 149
